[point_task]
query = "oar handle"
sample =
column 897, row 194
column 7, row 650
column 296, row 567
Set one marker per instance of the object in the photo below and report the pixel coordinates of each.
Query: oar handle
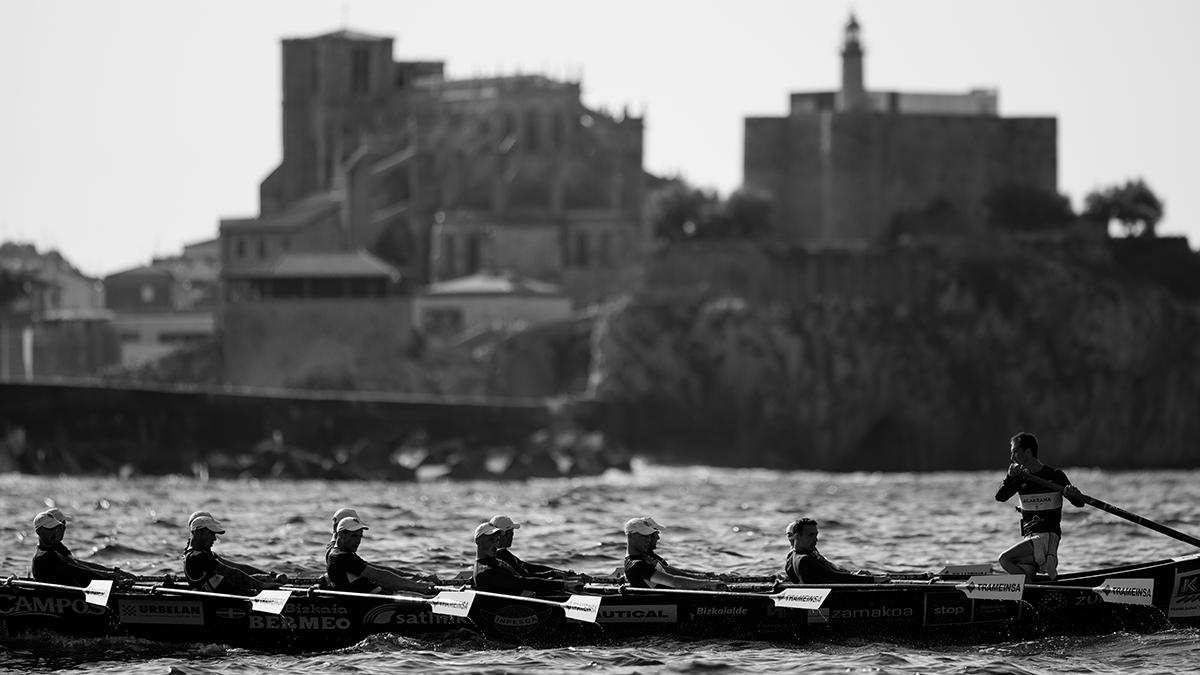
column 1117, row 511
column 22, row 583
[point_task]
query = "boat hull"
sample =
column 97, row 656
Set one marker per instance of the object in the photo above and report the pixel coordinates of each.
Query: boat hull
column 311, row 622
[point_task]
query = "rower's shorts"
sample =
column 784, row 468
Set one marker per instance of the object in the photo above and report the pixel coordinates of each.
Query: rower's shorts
column 1045, row 552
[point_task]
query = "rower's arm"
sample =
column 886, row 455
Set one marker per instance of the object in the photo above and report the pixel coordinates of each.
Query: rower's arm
column 394, row 581
column 1008, row 488
column 812, row 571
column 107, row 572
column 662, row 577
column 243, row 567
column 238, row 578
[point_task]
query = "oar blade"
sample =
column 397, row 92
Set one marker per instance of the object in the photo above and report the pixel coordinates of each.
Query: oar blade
column 97, row 592
column 582, row 607
column 801, row 598
column 452, row 603
column 270, row 601
column 1127, row 591
column 994, row 587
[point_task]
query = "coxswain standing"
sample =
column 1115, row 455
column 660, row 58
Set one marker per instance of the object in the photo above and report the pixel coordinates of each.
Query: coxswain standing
column 1041, row 509
column 346, row 571
column 53, row 562
column 205, row 571
column 646, row 569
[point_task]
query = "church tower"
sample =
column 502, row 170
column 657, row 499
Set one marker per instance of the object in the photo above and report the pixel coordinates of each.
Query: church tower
column 854, row 92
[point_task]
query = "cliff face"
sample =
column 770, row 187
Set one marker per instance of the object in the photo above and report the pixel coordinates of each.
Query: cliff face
column 1104, row 370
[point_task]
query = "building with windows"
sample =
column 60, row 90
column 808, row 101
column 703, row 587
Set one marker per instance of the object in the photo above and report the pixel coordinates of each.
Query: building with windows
column 487, row 301
column 846, row 167
column 166, row 305
column 393, row 166
column 445, row 177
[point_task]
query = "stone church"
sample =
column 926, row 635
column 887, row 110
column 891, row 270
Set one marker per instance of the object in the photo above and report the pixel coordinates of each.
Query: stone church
column 440, row 177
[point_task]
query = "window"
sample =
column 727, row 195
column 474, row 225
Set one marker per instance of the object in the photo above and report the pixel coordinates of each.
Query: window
column 360, row 71
column 474, row 253
column 449, row 256
column 532, row 140
column 241, row 247
column 581, row 249
column 147, row 294
column 262, row 248
column 558, row 131
column 442, row 320
column 604, row 256
column 181, row 338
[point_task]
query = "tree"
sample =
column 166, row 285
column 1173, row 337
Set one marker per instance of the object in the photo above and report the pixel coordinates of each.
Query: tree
column 677, row 212
column 746, row 213
column 15, row 285
column 1134, row 205
column 1021, row 206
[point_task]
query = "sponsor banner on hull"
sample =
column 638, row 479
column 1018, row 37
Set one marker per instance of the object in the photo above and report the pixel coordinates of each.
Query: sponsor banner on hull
column 33, row 605
column 515, row 620
column 638, row 614
column 289, row 623
column 1185, row 598
column 160, row 611
column 406, row 615
column 943, row 609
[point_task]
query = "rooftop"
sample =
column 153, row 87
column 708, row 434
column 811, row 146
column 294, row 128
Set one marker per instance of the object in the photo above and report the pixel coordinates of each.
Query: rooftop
column 493, row 283
column 338, row 264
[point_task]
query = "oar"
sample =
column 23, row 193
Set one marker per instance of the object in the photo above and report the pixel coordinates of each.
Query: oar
column 1117, row 511
column 95, row 593
column 799, row 597
column 267, row 601
column 458, row 602
column 450, row 603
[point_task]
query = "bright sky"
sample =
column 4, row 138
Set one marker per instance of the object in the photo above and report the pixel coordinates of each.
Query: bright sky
column 129, row 128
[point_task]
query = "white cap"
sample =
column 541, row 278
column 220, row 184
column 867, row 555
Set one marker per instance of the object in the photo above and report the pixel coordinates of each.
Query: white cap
column 58, row 513
column 485, row 529
column 351, row 524
column 504, row 522
column 206, row 523
column 197, row 514
column 47, row 520
column 344, row 513
column 642, row 525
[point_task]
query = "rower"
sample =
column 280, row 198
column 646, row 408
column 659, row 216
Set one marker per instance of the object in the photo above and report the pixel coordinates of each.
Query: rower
column 346, row 571
column 805, row 564
column 206, row 571
column 53, row 562
column 1041, row 509
column 244, row 567
column 495, row 575
column 504, row 553
column 646, row 569
column 344, row 512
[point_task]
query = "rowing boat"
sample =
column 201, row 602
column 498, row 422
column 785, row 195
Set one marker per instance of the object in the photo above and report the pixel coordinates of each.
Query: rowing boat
column 977, row 607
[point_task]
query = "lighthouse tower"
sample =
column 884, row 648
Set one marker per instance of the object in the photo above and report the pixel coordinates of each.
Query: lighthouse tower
column 854, row 92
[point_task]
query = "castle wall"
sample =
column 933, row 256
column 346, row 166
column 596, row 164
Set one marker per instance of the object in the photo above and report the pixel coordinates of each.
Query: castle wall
column 843, row 177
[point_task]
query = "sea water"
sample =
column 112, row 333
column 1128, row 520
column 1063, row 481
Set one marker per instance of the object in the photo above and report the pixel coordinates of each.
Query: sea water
column 729, row 520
